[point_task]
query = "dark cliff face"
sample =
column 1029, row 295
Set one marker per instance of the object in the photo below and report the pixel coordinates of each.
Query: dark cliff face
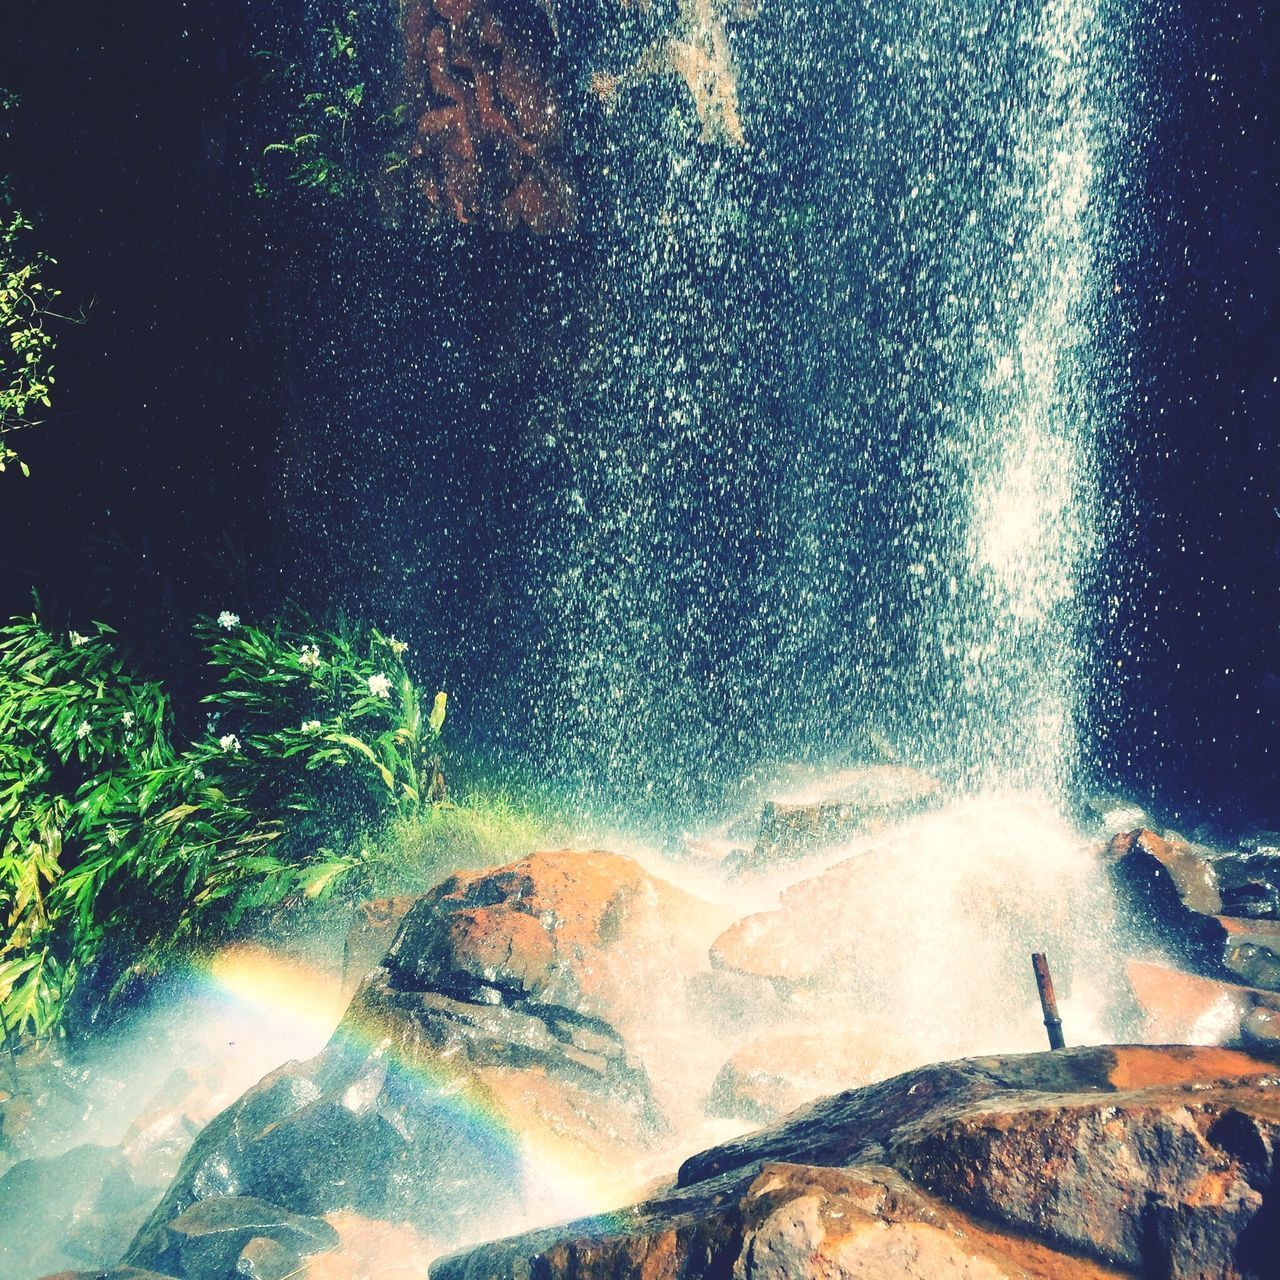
column 355, row 411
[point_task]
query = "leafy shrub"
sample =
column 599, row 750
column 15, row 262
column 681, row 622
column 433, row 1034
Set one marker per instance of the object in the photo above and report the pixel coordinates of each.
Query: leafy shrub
column 311, row 742
column 26, row 345
column 339, row 137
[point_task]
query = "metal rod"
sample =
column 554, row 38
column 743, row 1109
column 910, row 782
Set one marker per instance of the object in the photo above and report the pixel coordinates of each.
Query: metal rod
column 1048, row 1001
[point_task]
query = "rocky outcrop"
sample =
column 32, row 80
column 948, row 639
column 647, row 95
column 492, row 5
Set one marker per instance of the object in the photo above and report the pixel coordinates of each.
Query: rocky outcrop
column 89, row 1208
column 1083, row 1163
column 1185, row 1008
column 780, row 1070
column 487, row 137
column 838, row 808
column 931, row 930
column 1249, row 881
column 374, row 930
column 502, row 1023
column 1173, row 895
column 235, row 1234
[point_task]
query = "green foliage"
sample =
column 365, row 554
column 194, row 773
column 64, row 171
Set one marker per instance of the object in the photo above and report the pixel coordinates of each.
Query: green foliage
column 311, row 743
column 26, row 345
column 486, row 828
column 332, row 121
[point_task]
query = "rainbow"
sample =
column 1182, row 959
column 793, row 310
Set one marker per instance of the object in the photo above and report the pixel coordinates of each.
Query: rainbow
column 303, row 1007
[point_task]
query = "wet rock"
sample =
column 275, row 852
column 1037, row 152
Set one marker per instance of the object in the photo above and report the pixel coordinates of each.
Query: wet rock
column 112, row 1273
column 372, row 1250
column 779, row 1071
column 1184, row 1008
column 835, row 809
column 162, row 1133
column 735, row 1003
column 1260, row 1030
column 377, row 923
column 1105, row 813
column 206, row 1241
column 1083, row 1163
column 1250, row 949
column 571, row 929
column 1168, row 891
column 501, row 1019
column 954, row 904
column 88, row 1208
column 266, row 1259
column 790, row 1222
column 1249, row 882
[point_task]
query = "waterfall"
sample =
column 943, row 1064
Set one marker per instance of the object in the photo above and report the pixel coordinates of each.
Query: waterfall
column 825, row 479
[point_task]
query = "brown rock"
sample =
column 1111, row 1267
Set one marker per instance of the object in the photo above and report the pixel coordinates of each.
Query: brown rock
column 837, row 808
column 372, row 1250
column 933, row 928
column 1167, row 883
column 1260, row 1031
column 781, row 1070
column 1185, row 1008
column 484, row 1043
column 588, row 932
column 1251, row 950
column 1095, row 1162
column 791, row 1222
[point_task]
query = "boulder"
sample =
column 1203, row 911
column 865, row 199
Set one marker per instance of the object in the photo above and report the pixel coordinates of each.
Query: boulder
column 372, row 1250
column 1249, row 882
column 1170, row 890
column 835, row 809
column 1249, row 949
column 780, row 1070
column 376, row 925
column 489, row 1038
column 1082, row 1163
column 112, row 1273
column 933, row 927
column 578, row 931
column 1184, row 1008
column 208, row 1240
column 87, row 1205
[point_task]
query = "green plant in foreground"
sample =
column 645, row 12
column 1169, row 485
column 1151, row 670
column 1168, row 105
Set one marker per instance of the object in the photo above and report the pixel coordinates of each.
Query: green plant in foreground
column 312, row 742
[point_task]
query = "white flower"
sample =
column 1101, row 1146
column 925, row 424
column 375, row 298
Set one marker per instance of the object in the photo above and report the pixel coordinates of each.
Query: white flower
column 227, row 620
column 309, row 656
column 199, row 774
column 84, row 730
column 380, row 686
column 77, row 639
column 113, row 837
column 229, row 742
column 126, row 719
column 311, row 726
column 398, row 647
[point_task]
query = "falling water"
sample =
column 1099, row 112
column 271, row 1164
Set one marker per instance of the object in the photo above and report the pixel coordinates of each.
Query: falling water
column 827, row 483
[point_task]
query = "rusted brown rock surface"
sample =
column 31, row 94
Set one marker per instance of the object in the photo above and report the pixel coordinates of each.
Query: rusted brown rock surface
column 487, row 144
column 1157, row 1162
column 584, row 931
